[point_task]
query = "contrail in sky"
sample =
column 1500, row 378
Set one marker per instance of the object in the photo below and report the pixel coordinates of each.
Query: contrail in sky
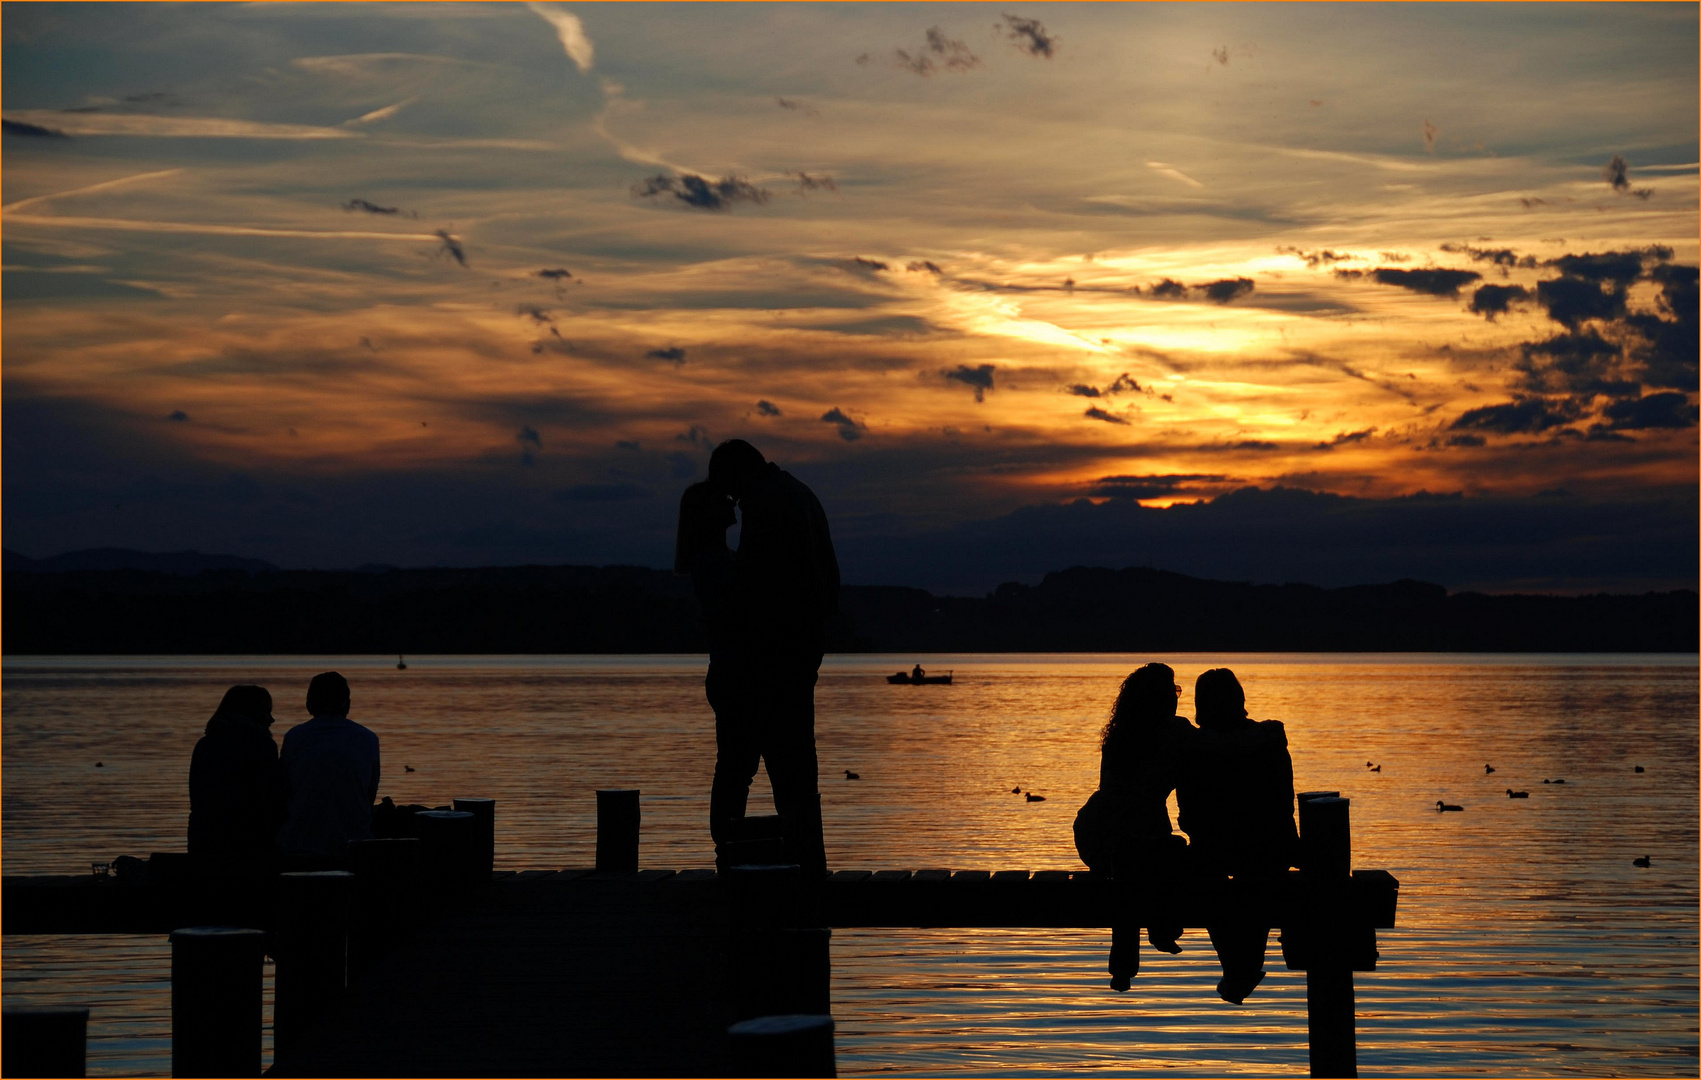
column 123, row 225
column 92, row 187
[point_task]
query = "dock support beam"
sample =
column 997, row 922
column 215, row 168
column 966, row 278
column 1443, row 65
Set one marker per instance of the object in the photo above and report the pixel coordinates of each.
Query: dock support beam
column 217, row 974
column 779, row 956
column 1324, row 944
column 48, row 1041
column 617, row 830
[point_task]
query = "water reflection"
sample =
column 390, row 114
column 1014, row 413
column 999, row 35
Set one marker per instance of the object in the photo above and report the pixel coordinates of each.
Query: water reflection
column 1528, row 944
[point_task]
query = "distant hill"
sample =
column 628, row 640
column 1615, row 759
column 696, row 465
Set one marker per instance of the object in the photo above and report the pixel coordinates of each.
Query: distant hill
column 627, row 609
column 159, row 562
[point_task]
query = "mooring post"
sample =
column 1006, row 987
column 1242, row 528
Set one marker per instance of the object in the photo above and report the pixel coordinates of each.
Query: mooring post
column 217, row 977
column 617, row 830
column 386, row 893
column 1329, row 1010
column 779, row 958
column 311, row 950
column 484, row 814
column 790, row 1045
column 46, row 1041
column 453, row 851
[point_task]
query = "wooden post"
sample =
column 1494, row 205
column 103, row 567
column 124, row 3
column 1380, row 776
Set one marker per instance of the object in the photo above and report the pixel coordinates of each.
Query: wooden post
column 1304, row 799
column 217, row 974
column 788, row 1045
column 452, row 848
column 779, row 958
column 617, row 830
column 386, row 894
column 311, row 950
column 47, row 1041
column 484, row 813
column 1329, row 1008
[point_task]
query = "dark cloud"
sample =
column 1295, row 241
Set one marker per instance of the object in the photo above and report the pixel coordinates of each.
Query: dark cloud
column 860, row 265
column 979, row 377
column 1466, row 440
column 1572, row 301
column 1525, row 415
column 699, row 192
column 768, row 408
column 1669, row 347
column 530, row 442
column 1028, row 35
column 34, row 131
column 1096, row 413
column 1609, row 267
column 1169, row 289
column 1501, row 257
column 555, row 275
column 850, row 429
column 1666, row 410
column 1346, row 438
column 939, row 53
column 1578, row 363
column 696, row 435
column 807, row 183
column 1149, row 487
column 451, row 247
column 919, row 265
column 1431, row 282
column 1316, row 258
column 1083, row 390
column 682, row 465
column 1253, row 444
column 673, row 354
column 1530, row 202
column 1617, row 174
column 370, row 208
column 1430, row 134
column 1490, row 301
column 1221, row 292
column 1125, row 382
column 581, row 493
column 797, row 106
column 179, row 415
column 627, row 444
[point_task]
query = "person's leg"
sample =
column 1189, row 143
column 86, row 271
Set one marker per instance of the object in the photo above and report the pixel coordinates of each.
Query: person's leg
column 788, row 747
column 1163, row 920
column 736, row 756
column 1124, row 930
column 1240, row 948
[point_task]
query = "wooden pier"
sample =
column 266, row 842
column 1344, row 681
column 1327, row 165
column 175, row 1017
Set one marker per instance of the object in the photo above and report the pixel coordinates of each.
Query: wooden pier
column 625, row 972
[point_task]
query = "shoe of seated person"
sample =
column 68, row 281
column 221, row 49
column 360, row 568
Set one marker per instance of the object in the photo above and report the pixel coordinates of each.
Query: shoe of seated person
column 1236, row 988
column 1163, row 939
column 1119, row 983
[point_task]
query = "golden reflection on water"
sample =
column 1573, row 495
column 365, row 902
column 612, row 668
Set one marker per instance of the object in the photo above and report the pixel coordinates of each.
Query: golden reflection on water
column 1527, row 943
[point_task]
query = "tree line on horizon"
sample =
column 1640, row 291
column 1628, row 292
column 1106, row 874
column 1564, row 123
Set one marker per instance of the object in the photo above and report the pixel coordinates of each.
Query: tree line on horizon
column 627, row 609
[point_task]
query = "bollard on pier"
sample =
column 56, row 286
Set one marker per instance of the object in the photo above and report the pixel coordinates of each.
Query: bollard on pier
column 46, row 1041
column 484, row 813
column 452, row 848
column 311, row 950
column 217, row 976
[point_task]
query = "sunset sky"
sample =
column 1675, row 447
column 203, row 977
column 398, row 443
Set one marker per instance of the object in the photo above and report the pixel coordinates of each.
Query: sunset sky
column 1334, row 293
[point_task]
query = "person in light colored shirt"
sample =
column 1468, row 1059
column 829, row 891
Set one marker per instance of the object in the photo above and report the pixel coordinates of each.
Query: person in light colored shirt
column 330, row 775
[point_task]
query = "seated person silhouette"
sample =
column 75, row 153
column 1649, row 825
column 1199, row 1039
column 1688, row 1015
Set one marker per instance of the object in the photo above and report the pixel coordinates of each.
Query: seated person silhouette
column 916, row 674
column 1124, row 830
column 1236, row 799
column 330, row 775
column 235, row 797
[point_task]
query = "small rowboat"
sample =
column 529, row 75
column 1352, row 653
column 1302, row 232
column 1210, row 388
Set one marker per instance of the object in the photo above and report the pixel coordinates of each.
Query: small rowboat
column 904, row 678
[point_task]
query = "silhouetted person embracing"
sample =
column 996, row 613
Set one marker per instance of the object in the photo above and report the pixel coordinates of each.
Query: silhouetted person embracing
column 1124, row 830
column 782, row 588
column 1236, row 802
column 235, row 795
column 330, row 773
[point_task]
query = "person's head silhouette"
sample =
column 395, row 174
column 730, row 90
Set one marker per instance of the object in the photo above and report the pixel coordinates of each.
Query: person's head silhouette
column 250, row 703
column 327, row 695
column 1218, row 698
column 733, row 464
column 1148, row 693
column 705, row 514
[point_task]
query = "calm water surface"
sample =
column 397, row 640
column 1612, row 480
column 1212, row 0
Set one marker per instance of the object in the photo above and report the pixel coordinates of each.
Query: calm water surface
column 1528, row 944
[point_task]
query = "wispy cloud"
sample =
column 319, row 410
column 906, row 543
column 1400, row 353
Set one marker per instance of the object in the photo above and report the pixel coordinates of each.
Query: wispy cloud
column 1173, row 173
column 570, row 31
column 1029, row 35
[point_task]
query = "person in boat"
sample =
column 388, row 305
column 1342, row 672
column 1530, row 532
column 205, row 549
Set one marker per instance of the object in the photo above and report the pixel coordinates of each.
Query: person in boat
column 330, row 775
column 235, row 794
column 782, row 588
column 917, row 674
column 1124, row 830
column 700, row 551
column 1237, row 806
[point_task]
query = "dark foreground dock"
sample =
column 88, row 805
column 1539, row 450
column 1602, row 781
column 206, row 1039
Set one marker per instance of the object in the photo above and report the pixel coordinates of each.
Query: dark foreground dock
column 417, row 960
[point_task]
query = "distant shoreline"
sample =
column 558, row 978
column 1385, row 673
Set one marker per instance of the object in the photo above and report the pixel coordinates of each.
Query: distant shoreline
column 615, row 610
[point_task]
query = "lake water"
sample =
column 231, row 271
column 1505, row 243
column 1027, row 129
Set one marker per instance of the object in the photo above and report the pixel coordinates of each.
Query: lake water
column 1528, row 945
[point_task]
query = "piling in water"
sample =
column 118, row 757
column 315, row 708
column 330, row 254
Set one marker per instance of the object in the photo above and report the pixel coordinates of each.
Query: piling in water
column 217, row 974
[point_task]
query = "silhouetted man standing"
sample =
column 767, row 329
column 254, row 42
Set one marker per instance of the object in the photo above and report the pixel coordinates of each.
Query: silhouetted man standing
column 783, row 588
